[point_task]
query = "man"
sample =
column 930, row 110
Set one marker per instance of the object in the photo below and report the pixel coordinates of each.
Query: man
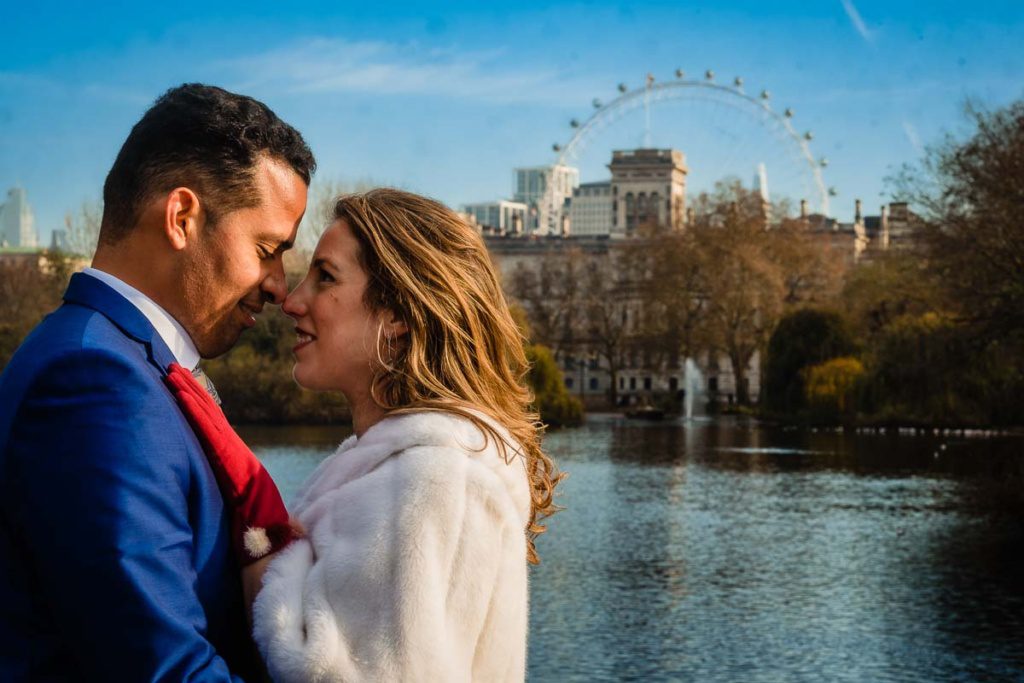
column 114, row 548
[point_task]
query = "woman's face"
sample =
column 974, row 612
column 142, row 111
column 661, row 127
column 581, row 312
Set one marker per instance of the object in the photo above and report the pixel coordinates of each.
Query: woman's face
column 337, row 333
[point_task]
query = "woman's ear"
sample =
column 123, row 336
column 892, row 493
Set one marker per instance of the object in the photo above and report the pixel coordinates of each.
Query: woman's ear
column 394, row 326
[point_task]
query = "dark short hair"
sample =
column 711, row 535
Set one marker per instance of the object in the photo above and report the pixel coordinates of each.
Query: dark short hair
column 204, row 138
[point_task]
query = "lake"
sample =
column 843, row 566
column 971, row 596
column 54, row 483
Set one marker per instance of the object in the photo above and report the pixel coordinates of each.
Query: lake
column 721, row 550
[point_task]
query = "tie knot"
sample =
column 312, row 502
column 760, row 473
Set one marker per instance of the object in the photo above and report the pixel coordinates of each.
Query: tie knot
column 206, row 383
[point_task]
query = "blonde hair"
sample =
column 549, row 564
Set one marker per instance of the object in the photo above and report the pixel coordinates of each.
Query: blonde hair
column 464, row 352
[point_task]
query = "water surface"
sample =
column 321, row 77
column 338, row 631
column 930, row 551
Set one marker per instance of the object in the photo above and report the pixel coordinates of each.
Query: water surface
column 724, row 551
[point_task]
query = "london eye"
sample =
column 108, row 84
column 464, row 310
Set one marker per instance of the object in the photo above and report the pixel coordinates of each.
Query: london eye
column 723, row 130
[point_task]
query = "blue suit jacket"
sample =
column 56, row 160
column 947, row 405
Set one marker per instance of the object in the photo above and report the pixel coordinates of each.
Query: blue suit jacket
column 114, row 555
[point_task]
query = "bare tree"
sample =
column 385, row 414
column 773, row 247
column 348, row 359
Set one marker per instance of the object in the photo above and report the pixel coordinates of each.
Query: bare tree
column 83, row 229
column 673, row 302
column 744, row 285
column 609, row 311
column 549, row 289
column 323, row 193
column 970, row 197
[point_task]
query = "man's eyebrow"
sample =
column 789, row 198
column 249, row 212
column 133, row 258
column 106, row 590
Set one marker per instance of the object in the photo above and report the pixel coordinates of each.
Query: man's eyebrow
column 283, row 245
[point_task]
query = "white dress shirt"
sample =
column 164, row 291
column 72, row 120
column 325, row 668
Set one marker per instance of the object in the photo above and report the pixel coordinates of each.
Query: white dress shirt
column 169, row 329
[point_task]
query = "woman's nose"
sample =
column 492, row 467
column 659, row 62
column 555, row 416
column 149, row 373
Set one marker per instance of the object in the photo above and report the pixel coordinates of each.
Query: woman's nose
column 294, row 304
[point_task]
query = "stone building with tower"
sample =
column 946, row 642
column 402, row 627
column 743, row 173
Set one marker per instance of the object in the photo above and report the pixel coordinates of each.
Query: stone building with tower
column 894, row 228
column 648, row 188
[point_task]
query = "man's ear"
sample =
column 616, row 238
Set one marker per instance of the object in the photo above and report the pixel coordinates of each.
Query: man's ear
column 181, row 217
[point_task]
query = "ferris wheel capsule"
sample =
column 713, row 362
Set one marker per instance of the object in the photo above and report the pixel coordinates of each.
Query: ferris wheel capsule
column 832, row 192
column 823, row 162
column 808, row 136
column 680, row 73
column 622, row 87
column 738, row 82
column 556, row 147
column 574, row 123
column 596, row 103
column 765, row 94
column 788, row 113
column 709, row 74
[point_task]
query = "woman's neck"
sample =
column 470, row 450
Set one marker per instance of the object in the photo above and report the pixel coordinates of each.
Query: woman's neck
column 365, row 414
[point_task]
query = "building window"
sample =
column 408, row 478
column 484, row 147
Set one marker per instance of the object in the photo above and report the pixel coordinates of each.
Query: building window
column 622, row 383
column 568, row 382
column 593, row 384
column 647, row 383
column 712, row 385
column 632, row 383
column 673, row 383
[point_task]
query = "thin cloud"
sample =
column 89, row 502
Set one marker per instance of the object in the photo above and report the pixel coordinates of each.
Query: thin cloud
column 912, row 137
column 857, row 20
column 335, row 66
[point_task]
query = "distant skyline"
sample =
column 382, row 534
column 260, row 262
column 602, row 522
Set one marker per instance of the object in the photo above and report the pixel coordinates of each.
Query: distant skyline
column 446, row 100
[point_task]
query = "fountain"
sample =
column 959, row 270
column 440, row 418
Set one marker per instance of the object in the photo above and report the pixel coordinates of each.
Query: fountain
column 693, row 384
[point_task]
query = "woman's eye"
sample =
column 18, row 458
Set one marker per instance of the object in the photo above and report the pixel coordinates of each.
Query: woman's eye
column 325, row 276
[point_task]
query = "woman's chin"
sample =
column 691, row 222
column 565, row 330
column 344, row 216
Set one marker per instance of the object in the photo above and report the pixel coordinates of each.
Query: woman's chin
column 310, row 380
column 301, row 378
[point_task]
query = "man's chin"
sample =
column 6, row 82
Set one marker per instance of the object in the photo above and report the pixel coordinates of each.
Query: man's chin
column 219, row 345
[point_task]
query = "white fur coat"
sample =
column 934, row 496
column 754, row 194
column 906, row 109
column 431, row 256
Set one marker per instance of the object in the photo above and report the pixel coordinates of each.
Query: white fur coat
column 414, row 567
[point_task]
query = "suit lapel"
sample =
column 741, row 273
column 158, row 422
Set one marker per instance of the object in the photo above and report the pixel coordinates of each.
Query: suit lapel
column 87, row 291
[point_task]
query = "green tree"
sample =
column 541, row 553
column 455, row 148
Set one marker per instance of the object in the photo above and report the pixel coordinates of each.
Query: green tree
column 557, row 407
column 802, row 338
column 830, row 387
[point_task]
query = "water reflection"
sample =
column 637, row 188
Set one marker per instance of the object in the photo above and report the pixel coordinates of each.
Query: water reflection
column 723, row 551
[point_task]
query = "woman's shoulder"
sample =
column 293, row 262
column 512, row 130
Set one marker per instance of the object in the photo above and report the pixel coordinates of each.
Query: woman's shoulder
column 447, row 453
column 422, row 455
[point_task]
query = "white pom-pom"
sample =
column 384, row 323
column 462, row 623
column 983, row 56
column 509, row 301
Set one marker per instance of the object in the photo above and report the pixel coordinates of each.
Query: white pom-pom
column 256, row 541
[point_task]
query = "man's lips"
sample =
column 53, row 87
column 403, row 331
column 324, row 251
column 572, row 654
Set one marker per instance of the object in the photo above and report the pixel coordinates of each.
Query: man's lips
column 304, row 338
column 250, row 313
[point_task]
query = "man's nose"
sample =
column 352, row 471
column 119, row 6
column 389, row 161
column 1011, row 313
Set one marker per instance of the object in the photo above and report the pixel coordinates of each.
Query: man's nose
column 274, row 286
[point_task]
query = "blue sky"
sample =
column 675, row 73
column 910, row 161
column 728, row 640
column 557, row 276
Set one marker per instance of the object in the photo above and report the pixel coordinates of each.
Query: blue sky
column 447, row 99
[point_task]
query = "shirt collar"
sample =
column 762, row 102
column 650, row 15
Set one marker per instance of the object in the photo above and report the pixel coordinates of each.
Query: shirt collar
column 169, row 329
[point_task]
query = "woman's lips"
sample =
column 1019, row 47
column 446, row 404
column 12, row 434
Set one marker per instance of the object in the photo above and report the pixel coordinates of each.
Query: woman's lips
column 304, row 339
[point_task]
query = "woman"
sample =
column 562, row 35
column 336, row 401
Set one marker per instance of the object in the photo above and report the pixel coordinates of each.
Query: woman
column 420, row 526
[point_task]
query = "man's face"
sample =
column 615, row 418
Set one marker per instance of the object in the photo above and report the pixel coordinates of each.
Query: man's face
column 236, row 265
